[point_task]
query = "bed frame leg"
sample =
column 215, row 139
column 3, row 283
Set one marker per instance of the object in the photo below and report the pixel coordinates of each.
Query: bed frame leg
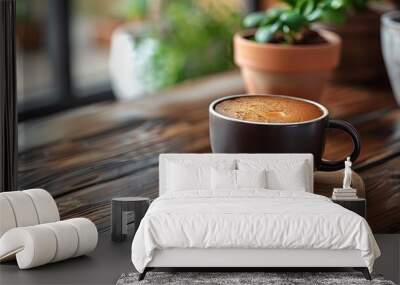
column 143, row 274
column 364, row 271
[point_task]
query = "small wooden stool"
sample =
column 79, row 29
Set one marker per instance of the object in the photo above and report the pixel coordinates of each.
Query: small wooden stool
column 119, row 217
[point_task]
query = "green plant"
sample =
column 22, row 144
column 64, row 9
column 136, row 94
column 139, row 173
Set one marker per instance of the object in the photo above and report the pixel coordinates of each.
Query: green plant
column 291, row 24
column 193, row 39
column 24, row 10
column 132, row 9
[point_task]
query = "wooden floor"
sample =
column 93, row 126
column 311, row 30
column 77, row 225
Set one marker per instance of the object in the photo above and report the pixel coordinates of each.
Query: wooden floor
column 86, row 156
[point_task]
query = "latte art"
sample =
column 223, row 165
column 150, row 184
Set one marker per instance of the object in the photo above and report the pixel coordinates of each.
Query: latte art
column 268, row 109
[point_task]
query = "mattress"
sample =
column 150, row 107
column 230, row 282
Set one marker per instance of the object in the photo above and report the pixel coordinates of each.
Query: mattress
column 251, row 220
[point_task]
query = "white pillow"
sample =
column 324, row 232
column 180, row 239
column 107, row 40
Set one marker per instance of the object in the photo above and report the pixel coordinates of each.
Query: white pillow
column 223, row 179
column 282, row 174
column 229, row 180
column 184, row 178
column 192, row 174
column 251, row 178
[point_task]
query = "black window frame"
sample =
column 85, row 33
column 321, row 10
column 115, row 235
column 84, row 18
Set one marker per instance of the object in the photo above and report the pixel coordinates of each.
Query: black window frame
column 8, row 99
column 59, row 47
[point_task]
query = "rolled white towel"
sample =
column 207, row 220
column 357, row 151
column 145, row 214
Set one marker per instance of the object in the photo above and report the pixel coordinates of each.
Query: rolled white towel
column 26, row 208
column 23, row 208
column 37, row 245
column 45, row 205
column 33, row 246
column 67, row 240
column 7, row 218
column 87, row 235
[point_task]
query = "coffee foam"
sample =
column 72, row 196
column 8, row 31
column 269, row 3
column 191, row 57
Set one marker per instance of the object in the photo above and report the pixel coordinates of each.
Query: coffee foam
column 268, row 109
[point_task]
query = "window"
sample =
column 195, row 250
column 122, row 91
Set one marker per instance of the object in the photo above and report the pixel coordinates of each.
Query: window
column 63, row 47
column 32, row 53
column 60, row 62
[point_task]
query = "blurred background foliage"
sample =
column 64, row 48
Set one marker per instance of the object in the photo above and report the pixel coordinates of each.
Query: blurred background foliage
column 178, row 40
column 191, row 39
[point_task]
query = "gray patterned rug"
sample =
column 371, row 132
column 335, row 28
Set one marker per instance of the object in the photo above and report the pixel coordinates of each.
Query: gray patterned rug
column 243, row 278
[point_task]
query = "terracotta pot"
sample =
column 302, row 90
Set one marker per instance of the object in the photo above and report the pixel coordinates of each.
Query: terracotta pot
column 293, row 70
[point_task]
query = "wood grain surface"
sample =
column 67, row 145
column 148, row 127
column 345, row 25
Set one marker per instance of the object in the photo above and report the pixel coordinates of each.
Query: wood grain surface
column 87, row 156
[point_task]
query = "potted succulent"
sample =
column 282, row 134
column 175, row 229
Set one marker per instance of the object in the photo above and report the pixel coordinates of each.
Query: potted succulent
column 281, row 53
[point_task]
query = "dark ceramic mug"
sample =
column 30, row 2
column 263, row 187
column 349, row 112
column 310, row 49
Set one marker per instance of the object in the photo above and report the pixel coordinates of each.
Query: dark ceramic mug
column 229, row 135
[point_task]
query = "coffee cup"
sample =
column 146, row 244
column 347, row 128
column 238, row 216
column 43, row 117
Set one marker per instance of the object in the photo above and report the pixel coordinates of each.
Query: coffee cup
column 230, row 134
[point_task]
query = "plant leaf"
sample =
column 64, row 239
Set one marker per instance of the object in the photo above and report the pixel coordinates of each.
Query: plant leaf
column 314, row 16
column 334, row 16
column 275, row 12
column 309, row 7
column 265, row 34
column 337, row 4
column 293, row 20
column 271, row 16
column 253, row 20
column 301, row 5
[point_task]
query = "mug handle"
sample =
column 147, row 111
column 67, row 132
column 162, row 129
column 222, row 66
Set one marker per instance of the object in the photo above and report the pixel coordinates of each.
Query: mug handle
column 328, row 165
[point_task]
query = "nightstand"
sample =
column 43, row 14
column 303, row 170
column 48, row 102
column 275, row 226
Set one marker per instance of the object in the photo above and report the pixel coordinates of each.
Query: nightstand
column 123, row 206
column 358, row 206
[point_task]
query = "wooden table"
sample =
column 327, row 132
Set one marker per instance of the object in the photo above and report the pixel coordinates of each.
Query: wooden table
column 87, row 156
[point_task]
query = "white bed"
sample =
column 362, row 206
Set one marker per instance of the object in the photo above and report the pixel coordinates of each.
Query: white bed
column 248, row 227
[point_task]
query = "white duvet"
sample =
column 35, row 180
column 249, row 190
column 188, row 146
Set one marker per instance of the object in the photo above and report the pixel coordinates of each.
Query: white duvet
column 250, row 219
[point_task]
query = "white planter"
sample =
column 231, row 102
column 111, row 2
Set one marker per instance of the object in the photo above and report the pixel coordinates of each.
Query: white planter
column 390, row 39
column 127, row 63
